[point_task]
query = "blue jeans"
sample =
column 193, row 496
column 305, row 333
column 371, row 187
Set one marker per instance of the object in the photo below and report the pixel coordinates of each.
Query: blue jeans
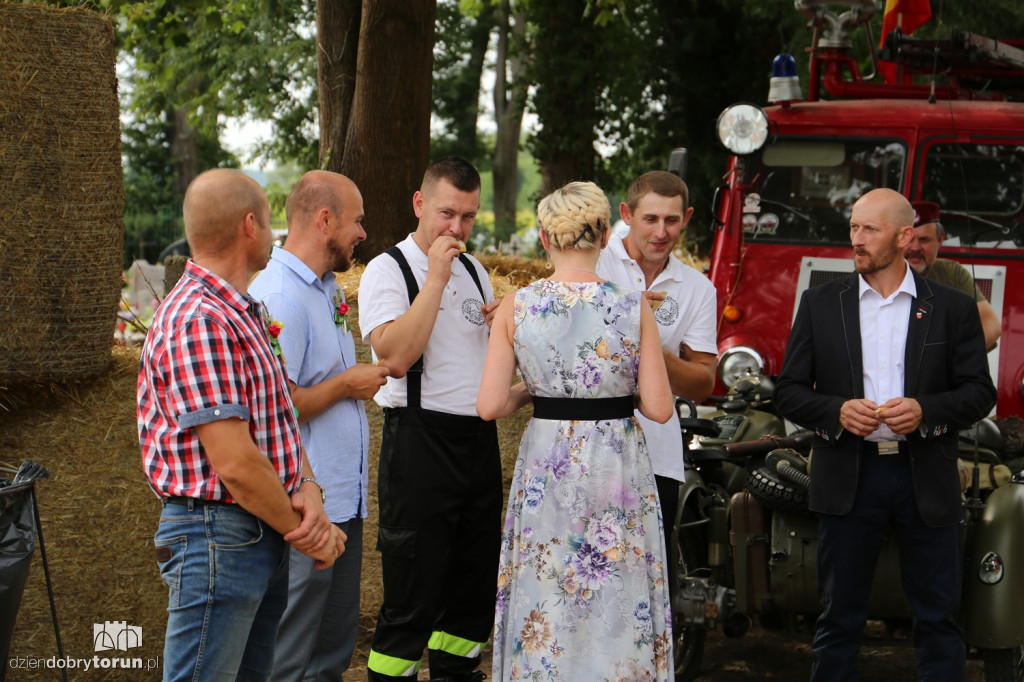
column 227, row 574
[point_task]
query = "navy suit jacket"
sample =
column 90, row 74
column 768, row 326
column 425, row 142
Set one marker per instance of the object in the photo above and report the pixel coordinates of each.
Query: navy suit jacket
column 946, row 371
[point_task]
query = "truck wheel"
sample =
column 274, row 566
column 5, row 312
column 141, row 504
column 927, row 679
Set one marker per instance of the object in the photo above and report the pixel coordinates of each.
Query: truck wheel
column 1003, row 665
column 774, row 492
column 688, row 642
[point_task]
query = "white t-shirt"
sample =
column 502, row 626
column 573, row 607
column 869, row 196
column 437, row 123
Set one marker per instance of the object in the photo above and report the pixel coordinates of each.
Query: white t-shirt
column 453, row 360
column 688, row 315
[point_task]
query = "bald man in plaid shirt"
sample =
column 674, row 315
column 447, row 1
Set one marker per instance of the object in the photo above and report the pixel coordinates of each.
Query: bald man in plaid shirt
column 220, row 446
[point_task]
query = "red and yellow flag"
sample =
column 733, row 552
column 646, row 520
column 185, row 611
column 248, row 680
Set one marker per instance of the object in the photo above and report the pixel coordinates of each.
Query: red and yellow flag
column 908, row 15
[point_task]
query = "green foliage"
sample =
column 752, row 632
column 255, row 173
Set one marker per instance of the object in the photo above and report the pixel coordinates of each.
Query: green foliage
column 242, row 57
column 152, row 207
column 993, row 19
column 683, row 62
column 528, row 183
column 573, row 61
column 461, row 38
column 250, row 58
column 483, row 227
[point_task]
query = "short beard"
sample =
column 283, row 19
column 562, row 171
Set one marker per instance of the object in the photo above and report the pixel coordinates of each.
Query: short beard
column 882, row 261
column 337, row 257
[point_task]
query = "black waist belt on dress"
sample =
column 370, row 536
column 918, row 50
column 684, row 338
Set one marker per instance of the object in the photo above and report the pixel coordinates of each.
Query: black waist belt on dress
column 583, row 408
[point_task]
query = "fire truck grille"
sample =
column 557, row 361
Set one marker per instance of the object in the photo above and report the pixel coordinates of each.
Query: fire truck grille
column 823, row 276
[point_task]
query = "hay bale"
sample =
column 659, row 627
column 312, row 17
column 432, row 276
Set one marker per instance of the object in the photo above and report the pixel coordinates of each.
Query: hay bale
column 61, row 208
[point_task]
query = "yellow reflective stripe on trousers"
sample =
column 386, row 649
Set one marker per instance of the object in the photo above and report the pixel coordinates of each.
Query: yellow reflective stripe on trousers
column 457, row 646
column 389, row 665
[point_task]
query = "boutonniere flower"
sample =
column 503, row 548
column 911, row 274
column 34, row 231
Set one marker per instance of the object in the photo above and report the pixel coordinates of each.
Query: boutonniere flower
column 340, row 312
column 273, row 331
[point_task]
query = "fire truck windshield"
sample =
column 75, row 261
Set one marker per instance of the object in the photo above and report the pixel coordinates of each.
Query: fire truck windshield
column 980, row 189
column 806, row 188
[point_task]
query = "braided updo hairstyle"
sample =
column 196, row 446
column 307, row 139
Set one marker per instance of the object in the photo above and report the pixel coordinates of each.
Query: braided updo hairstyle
column 575, row 216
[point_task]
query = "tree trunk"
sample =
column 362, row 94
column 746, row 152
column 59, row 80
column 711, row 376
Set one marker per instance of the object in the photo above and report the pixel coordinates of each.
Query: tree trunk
column 184, row 151
column 337, row 43
column 387, row 134
column 509, row 100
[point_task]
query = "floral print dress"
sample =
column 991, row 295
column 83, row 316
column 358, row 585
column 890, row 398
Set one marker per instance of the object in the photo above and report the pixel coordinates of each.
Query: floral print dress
column 582, row 587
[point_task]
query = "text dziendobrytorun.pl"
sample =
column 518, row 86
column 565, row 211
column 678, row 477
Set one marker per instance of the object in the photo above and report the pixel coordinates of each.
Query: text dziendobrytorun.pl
column 74, row 663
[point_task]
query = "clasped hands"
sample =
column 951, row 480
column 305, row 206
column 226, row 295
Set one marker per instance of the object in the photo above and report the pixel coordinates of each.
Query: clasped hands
column 862, row 417
column 316, row 536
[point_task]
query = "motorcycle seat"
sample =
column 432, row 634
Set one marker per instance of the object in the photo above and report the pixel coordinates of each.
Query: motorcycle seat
column 699, row 427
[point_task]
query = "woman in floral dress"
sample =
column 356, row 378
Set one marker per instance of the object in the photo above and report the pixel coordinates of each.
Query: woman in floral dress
column 582, row 586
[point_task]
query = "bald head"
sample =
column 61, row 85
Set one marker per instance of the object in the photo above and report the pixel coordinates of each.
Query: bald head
column 325, row 221
column 216, row 204
column 881, row 227
column 315, row 190
column 888, row 207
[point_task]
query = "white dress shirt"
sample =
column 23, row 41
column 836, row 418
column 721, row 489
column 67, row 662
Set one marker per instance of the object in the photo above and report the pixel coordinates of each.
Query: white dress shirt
column 883, row 340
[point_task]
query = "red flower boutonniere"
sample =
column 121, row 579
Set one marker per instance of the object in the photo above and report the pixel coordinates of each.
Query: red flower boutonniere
column 273, row 331
column 340, row 312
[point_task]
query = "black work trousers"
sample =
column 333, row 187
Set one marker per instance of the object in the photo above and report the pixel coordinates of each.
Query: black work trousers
column 439, row 494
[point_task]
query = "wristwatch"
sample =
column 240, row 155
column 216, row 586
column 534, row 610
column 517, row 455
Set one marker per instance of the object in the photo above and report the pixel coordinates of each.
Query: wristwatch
column 323, row 493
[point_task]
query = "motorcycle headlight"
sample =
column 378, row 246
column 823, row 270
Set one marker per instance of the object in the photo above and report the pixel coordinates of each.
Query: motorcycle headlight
column 990, row 570
column 742, row 128
column 738, row 361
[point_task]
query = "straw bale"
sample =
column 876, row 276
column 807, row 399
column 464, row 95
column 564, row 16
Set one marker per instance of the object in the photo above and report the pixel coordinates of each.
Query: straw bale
column 507, row 273
column 61, row 207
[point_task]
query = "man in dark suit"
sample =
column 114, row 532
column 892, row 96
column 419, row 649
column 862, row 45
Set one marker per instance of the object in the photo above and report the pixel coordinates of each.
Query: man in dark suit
column 886, row 367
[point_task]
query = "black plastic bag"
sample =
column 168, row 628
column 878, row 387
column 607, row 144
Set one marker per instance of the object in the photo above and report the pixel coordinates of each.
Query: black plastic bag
column 18, row 534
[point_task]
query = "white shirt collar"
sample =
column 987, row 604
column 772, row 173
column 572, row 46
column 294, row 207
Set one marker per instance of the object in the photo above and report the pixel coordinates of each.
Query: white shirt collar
column 907, row 286
column 673, row 269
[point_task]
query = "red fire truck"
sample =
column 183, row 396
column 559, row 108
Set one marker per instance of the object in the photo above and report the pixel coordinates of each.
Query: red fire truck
column 948, row 130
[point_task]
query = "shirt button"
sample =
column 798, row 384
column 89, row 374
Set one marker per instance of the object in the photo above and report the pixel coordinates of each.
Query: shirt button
column 216, row 413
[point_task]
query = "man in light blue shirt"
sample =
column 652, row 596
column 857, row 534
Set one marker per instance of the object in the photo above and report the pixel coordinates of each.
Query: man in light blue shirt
column 325, row 211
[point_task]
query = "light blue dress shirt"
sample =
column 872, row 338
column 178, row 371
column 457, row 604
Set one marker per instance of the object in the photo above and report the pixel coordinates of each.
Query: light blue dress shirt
column 316, row 349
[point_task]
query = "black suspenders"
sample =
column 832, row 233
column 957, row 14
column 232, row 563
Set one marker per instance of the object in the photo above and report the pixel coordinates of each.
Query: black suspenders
column 415, row 373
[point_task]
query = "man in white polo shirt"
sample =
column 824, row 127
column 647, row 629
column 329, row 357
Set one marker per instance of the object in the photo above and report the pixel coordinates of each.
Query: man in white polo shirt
column 657, row 211
column 424, row 308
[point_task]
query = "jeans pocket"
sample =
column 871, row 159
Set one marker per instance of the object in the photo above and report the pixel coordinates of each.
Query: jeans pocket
column 171, row 559
column 232, row 529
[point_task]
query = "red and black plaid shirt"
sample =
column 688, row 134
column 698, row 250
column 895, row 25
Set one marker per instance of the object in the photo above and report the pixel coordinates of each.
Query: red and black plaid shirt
column 207, row 357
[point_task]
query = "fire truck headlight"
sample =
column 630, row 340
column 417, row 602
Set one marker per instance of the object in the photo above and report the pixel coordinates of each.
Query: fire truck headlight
column 737, row 362
column 742, row 128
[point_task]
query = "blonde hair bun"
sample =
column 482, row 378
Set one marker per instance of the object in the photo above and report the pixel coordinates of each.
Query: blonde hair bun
column 566, row 214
